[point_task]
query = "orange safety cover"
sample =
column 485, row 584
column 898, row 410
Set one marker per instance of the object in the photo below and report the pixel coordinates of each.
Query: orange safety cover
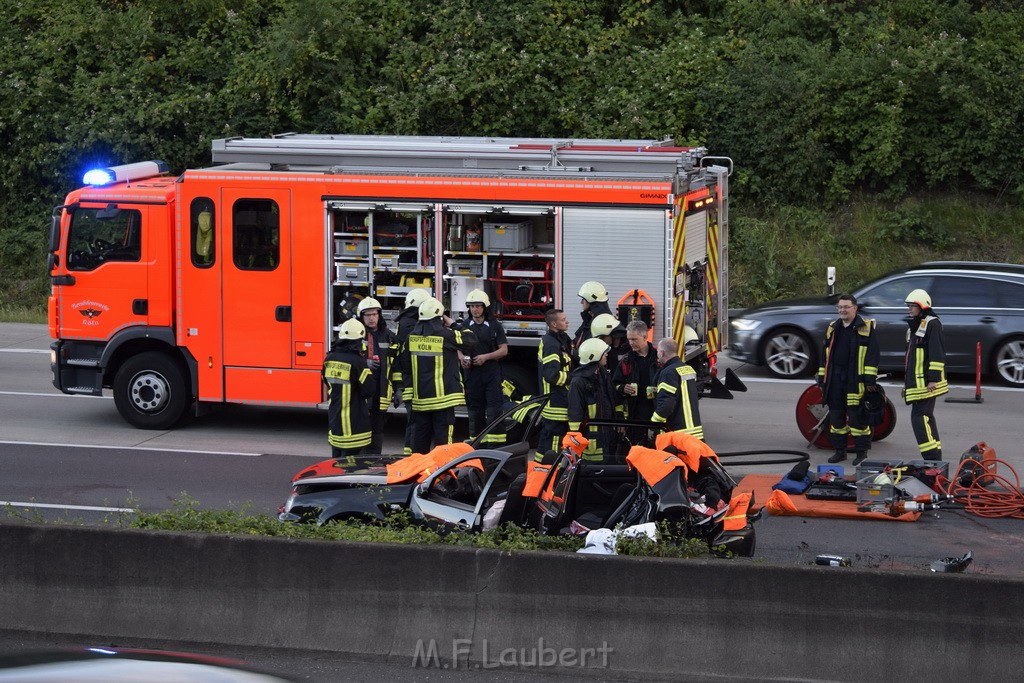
column 691, row 449
column 736, row 517
column 653, row 465
column 535, row 475
column 416, row 465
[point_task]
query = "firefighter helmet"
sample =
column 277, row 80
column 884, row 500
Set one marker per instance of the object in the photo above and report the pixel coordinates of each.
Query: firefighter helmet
column 478, row 296
column 690, row 336
column 351, row 329
column 919, row 297
column 606, row 324
column 591, row 351
column 416, row 296
column 431, row 308
column 873, row 407
column 367, row 304
column 593, row 291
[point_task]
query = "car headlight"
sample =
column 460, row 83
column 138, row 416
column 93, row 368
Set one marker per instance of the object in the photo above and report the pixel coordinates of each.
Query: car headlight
column 745, row 324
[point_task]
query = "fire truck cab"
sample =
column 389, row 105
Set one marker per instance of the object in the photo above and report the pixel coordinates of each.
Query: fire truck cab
column 227, row 284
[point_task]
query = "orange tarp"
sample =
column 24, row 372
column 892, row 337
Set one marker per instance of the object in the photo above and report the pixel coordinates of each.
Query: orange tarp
column 761, row 486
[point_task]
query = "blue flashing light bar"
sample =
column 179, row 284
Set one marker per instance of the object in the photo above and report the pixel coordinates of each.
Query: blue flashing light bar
column 143, row 169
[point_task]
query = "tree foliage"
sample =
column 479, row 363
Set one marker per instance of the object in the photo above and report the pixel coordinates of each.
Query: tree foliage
column 814, row 100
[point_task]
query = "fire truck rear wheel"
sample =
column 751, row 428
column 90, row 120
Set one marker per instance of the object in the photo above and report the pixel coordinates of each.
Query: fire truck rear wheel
column 150, row 391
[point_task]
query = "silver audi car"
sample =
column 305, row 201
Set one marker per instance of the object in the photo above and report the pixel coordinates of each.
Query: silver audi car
column 977, row 303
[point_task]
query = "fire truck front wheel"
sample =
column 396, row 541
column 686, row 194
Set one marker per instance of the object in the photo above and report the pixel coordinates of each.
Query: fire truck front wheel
column 150, row 391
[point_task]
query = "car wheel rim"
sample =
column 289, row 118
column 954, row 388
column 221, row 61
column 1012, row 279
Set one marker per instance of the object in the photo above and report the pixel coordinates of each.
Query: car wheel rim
column 149, row 392
column 787, row 354
column 1010, row 362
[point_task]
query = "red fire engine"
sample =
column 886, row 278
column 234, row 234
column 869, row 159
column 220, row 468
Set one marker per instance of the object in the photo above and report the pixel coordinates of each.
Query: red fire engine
column 225, row 284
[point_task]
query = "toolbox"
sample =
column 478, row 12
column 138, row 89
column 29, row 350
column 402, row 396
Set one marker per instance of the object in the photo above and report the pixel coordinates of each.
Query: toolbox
column 350, row 247
column 466, row 266
column 508, row 237
column 351, row 271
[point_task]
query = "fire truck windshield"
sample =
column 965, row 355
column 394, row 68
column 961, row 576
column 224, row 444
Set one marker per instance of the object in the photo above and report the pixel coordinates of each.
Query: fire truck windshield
column 100, row 235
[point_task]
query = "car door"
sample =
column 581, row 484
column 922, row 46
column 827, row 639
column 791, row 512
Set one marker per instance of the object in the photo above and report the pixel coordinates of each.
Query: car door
column 451, row 497
column 967, row 306
column 884, row 302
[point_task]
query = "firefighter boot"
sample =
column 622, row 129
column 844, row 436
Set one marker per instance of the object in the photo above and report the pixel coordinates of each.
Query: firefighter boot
column 838, row 456
column 859, row 457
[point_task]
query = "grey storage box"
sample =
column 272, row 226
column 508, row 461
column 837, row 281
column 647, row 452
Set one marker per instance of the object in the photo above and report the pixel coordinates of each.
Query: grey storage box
column 346, row 248
column 870, row 491
column 508, row 237
column 867, row 467
column 466, row 266
column 386, row 260
column 351, row 271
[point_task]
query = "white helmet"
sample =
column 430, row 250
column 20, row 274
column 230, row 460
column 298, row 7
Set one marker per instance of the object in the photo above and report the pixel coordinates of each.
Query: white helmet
column 593, row 291
column 605, row 324
column 416, row 296
column 431, row 308
column 591, row 351
column 367, row 304
column 478, row 296
column 352, row 329
column 690, row 336
column 919, row 297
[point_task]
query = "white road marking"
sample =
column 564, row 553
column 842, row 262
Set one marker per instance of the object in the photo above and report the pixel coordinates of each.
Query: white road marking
column 58, row 506
column 24, row 351
column 129, row 448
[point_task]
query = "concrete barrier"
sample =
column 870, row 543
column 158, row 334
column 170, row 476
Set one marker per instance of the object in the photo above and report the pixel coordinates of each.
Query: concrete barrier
column 459, row 607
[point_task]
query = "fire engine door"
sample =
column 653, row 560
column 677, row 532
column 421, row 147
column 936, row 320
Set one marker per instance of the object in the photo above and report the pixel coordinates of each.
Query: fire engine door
column 257, row 278
column 108, row 261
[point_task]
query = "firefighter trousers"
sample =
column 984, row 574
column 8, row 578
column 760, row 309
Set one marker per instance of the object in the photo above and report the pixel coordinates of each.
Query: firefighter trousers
column 431, row 428
column 922, row 421
column 484, row 402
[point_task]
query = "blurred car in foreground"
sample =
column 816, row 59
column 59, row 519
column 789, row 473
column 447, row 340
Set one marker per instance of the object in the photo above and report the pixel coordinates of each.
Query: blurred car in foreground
column 977, row 302
column 121, row 665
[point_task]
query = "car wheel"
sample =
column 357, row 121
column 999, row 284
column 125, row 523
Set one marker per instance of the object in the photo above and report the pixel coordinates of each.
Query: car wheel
column 1008, row 362
column 787, row 353
column 150, row 391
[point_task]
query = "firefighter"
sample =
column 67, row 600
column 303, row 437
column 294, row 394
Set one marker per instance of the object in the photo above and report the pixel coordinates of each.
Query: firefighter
column 349, row 385
column 849, row 368
column 590, row 398
column 594, row 299
column 482, row 369
column 675, row 399
column 633, row 379
column 926, row 372
column 431, row 358
column 607, row 328
column 554, row 360
column 406, row 319
column 380, row 351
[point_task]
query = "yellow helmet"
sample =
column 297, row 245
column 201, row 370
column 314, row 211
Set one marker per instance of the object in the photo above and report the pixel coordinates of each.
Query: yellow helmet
column 431, row 308
column 591, row 351
column 919, row 297
column 478, row 296
column 352, row 329
column 593, row 291
column 367, row 304
column 605, row 324
column 416, row 296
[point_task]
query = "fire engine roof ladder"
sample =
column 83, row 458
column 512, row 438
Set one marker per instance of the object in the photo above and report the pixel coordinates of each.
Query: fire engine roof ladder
column 641, row 159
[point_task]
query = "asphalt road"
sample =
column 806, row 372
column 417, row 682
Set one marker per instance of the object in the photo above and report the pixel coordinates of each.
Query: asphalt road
column 74, row 458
